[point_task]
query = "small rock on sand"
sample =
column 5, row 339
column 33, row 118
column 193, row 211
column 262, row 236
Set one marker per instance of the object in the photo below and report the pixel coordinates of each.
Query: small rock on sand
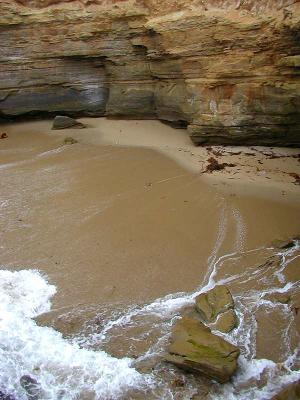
column 70, row 140
column 285, row 244
column 64, row 122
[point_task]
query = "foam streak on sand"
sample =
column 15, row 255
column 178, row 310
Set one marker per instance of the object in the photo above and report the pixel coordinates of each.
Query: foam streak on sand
column 63, row 370
column 248, row 383
column 67, row 371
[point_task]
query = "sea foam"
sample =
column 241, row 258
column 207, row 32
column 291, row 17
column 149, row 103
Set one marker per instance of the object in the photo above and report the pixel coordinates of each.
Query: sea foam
column 62, row 369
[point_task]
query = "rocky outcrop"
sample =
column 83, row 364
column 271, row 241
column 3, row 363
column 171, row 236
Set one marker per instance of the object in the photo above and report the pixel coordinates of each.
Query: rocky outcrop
column 196, row 349
column 216, row 307
column 227, row 70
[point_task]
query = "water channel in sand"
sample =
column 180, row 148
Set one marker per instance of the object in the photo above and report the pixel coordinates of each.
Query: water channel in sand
column 128, row 237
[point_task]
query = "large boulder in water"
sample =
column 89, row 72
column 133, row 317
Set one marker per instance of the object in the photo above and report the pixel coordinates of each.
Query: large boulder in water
column 63, row 122
column 196, row 349
column 217, row 306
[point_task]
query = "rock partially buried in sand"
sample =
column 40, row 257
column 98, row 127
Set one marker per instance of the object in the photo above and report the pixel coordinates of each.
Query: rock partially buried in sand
column 69, row 140
column 196, row 349
column 63, row 122
column 285, row 244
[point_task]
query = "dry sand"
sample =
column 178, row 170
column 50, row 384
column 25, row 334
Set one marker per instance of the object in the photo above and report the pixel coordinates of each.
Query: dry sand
column 260, row 171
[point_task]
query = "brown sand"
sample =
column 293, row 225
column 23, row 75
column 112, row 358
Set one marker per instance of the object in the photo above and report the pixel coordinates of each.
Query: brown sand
column 112, row 221
column 116, row 223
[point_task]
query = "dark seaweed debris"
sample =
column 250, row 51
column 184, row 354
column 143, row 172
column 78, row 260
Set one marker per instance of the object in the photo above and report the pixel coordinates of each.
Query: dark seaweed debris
column 214, row 165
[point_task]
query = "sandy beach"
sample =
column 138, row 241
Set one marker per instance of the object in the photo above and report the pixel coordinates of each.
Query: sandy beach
column 118, row 179
column 129, row 214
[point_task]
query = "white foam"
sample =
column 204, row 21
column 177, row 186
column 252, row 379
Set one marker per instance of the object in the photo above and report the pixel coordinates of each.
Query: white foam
column 245, row 385
column 62, row 367
column 63, row 370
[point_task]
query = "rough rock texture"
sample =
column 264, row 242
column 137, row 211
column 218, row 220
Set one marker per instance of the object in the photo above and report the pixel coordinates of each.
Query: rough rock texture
column 227, row 69
column 216, row 308
column 195, row 348
column 226, row 321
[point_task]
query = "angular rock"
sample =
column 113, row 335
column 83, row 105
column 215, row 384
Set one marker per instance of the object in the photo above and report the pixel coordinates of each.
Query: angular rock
column 214, row 302
column 226, row 322
column 196, row 349
column 64, row 122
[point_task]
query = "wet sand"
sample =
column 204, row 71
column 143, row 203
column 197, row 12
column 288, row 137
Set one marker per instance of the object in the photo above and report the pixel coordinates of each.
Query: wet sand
column 126, row 215
column 111, row 223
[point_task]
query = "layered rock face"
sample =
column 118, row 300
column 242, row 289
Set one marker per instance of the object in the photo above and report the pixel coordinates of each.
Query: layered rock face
column 226, row 69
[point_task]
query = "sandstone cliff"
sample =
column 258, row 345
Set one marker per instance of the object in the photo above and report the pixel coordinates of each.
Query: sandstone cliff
column 226, row 69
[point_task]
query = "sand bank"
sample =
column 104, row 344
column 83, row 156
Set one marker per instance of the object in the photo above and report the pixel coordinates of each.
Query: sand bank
column 259, row 171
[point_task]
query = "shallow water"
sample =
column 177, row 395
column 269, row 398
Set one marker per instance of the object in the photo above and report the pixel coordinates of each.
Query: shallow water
column 129, row 238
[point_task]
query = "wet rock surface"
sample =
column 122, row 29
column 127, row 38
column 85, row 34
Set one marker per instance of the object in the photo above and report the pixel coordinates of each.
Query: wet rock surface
column 226, row 322
column 228, row 71
column 32, row 388
column 217, row 306
column 195, row 348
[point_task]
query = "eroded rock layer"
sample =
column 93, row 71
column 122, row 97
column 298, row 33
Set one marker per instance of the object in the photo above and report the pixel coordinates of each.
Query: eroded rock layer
column 229, row 70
